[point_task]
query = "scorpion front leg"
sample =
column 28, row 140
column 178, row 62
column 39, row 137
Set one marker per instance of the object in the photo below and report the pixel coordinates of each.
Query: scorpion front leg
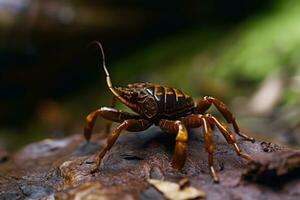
column 110, row 114
column 134, row 125
column 109, row 122
column 178, row 128
column 204, row 104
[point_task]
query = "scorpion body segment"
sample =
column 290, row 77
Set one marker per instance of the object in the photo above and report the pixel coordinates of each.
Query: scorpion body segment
column 157, row 102
column 172, row 110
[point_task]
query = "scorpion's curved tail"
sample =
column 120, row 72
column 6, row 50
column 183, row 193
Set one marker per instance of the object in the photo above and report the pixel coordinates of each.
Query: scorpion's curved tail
column 108, row 80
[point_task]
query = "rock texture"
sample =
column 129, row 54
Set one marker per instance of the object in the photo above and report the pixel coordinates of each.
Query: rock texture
column 60, row 169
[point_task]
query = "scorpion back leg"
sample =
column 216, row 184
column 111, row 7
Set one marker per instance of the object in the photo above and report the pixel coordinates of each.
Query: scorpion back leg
column 209, row 146
column 230, row 138
column 107, row 113
column 194, row 121
column 205, row 104
column 178, row 128
column 130, row 125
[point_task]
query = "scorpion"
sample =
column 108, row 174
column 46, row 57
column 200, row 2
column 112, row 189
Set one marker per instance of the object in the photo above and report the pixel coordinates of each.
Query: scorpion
column 173, row 110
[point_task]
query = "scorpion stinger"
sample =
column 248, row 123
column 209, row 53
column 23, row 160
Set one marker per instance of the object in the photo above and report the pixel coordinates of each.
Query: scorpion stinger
column 108, row 80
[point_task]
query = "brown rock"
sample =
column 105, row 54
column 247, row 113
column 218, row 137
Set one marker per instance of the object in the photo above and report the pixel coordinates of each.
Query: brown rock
column 60, row 169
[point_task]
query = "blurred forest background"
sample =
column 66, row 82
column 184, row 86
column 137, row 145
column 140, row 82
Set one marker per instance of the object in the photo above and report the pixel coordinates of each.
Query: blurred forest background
column 245, row 52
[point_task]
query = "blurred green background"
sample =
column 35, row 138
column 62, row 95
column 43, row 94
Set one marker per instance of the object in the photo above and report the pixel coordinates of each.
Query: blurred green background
column 245, row 52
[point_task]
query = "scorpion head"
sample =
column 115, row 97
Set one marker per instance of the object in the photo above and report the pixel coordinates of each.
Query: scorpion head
column 137, row 95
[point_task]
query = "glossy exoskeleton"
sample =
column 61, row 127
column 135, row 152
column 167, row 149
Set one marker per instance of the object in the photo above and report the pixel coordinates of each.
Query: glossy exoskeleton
column 174, row 111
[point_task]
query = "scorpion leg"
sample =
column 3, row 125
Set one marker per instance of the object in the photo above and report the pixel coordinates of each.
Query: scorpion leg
column 109, row 122
column 194, row 121
column 230, row 138
column 130, row 125
column 207, row 101
column 178, row 128
column 209, row 146
column 107, row 113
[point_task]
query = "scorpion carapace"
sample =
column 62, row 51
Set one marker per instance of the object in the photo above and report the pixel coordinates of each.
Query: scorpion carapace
column 155, row 102
column 174, row 111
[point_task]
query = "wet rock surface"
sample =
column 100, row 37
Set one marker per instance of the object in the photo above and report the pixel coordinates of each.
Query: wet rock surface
column 60, row 169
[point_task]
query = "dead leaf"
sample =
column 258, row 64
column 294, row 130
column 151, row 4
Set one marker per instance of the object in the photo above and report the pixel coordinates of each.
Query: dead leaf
column 173, row 191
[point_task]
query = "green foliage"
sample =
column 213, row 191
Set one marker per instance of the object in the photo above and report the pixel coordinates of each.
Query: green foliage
column 222, row 62
column 263, row 44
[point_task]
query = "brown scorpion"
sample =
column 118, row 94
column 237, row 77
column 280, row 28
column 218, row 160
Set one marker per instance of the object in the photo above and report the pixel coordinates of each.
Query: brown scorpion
column 174, row 111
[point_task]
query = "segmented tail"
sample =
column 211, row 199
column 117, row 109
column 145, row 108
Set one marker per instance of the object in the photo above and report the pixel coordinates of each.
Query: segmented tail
column 108, row 80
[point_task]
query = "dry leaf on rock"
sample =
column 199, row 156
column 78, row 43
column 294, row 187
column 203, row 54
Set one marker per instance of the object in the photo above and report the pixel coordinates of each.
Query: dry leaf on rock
column 173, row 191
